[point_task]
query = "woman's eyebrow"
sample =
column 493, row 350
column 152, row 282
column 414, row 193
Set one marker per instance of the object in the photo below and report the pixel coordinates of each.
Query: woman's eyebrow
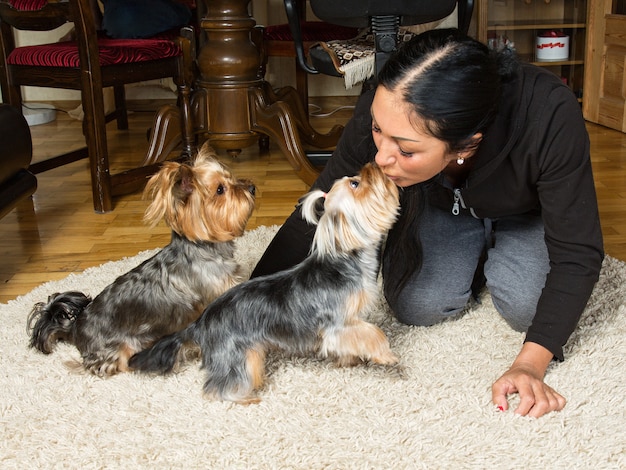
column 405, row 139
column 398, row 138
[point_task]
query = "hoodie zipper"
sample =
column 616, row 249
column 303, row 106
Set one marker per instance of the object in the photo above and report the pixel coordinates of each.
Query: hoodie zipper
column 455, row 206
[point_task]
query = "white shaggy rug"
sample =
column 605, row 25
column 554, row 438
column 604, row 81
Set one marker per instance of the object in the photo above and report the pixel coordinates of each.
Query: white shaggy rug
column 436, row 414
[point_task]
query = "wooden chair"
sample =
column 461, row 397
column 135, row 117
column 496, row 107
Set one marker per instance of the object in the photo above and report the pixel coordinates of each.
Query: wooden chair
column 91, row 63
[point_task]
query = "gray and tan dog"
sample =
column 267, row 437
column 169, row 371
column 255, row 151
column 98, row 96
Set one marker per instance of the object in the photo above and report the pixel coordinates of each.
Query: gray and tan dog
column 312, row 307
column 207, row 208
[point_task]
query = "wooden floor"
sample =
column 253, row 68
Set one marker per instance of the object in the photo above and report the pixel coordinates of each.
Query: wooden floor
column 59, row 232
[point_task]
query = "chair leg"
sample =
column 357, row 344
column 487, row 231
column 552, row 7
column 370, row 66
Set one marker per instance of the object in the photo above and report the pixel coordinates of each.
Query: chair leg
column 121, row 112
column 94, row 128
column 186, row 121
column 302, row 86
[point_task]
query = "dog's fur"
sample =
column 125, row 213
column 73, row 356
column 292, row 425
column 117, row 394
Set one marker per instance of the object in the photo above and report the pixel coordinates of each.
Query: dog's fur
column 206, row 207
column 313, row 306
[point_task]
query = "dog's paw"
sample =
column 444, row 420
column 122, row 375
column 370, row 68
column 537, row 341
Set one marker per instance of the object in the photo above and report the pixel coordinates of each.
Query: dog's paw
column 348, row 361
column 386, row 359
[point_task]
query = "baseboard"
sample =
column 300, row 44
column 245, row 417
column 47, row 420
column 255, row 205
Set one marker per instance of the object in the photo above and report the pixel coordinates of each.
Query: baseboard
column 38, row 113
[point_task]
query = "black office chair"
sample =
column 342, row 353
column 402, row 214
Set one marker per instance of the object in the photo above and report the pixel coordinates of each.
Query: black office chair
column 383, row 17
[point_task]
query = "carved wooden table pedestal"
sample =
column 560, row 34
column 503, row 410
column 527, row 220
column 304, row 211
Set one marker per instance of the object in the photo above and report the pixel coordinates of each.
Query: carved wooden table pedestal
column 231, row 104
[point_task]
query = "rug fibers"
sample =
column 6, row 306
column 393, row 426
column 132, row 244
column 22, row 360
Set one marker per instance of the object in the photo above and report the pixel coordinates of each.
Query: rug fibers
column 433, row 412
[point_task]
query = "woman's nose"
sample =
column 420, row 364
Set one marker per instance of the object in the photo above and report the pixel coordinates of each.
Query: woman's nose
column 384, row 155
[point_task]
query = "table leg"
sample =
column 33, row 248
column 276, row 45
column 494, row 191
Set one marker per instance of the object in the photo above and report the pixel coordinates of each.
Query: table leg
column 231, row 105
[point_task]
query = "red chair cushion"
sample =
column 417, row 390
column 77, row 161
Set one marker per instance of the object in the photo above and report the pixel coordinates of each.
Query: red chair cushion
column 30, row 5
column 311, row 31
column 112, row 51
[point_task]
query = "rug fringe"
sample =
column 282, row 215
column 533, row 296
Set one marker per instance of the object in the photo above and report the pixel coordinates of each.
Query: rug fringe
column 358, row 71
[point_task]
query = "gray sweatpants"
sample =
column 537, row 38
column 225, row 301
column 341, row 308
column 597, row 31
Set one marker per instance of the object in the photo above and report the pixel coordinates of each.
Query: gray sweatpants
column 516, row 267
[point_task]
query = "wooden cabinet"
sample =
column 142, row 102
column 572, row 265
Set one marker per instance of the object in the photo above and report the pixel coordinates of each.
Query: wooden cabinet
column 604, row 101
column 520, row 22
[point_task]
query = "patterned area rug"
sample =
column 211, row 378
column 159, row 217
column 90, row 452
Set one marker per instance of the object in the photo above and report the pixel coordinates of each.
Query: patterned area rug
column 433, row 412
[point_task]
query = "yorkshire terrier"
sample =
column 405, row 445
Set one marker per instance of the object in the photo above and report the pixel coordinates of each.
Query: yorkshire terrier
column 313, row 307
column 207, row 208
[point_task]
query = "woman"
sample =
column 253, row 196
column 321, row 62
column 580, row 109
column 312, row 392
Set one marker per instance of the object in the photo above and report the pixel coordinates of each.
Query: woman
column 493, row 158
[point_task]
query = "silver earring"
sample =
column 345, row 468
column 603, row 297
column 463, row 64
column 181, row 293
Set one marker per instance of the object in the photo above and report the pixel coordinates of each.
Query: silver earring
column 460, row 161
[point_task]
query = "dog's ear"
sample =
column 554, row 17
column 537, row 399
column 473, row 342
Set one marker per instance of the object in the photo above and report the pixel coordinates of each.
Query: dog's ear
column 164, row 189
column 205, row 154
column 312, row 206
column 185, row 183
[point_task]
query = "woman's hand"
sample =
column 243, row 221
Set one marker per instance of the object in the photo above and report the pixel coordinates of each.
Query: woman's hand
column 525, row 377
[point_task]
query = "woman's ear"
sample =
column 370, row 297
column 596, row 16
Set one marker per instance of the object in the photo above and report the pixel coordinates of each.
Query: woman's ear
column 472, row 146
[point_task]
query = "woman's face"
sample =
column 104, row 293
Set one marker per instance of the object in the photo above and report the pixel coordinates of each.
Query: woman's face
column 406, row 155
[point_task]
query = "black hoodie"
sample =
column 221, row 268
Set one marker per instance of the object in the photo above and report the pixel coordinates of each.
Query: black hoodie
column 533, row 158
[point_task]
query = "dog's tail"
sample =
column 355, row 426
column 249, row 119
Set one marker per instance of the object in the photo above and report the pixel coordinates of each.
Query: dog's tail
column 54, row 321
column 166, row 354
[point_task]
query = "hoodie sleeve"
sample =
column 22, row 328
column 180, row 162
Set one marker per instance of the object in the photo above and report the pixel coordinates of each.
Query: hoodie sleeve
column 570, row 213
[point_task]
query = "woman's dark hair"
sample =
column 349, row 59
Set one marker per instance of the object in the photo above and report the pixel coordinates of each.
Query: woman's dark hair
column 451, row 84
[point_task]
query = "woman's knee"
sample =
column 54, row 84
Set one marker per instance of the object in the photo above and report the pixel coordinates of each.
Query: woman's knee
column 516, row 269
column 419, row 309
column 518, row 312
